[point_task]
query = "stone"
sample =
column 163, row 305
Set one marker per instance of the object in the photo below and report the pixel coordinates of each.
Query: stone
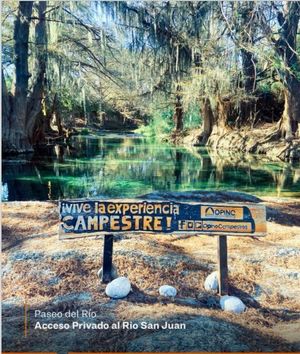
column 167, row 291
column 211, row 282
column 118, row 288
column 232, row 304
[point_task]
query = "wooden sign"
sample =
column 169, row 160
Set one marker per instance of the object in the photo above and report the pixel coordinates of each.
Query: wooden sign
column 84, row 218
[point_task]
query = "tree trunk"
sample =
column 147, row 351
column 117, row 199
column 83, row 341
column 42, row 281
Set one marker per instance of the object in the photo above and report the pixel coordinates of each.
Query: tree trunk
column 294, row 91
column 247, row 112
column 247, row 107
column 58, row 122
column 249, row 71
column 287, row 47
column 5, row 110
column 178, row 114
column 34, row 108
column 17, row 139
column 25, row 114
column 56, row 116
column 49, row 116
column 288, row 124
column 208, row 121
column 224, row 110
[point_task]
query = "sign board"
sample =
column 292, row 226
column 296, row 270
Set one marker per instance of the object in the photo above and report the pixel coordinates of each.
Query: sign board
column 87, row 218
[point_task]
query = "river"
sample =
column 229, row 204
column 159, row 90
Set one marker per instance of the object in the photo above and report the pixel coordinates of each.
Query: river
column 127, row 165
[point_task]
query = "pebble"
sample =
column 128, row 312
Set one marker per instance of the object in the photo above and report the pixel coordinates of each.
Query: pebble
column 118, row 288
column 232, row 304
column 211, row 282
column 167, row 291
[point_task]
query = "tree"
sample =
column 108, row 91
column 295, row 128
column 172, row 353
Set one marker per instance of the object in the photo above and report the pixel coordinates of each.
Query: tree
column 34, row 113
column 242, row 28
column 283, row 40
column 14, row 119
column 150, row 59
column 286, row 47
column 43, row 75
column 166, row 32
column 21, row 111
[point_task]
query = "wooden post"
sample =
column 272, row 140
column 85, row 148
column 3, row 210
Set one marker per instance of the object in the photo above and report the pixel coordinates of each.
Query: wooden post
column 222, row 265
column 107, row 258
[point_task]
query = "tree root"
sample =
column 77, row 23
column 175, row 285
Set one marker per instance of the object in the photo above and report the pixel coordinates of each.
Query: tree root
column 273, row 136
column 202, row 139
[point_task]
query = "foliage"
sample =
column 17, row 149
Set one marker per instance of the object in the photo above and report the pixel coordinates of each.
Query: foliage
column 84, row 131
column 160, row 124
column 193, row 118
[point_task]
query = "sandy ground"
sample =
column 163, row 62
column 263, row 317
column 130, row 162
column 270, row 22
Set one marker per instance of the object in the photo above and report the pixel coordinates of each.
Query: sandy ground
column 52, row 275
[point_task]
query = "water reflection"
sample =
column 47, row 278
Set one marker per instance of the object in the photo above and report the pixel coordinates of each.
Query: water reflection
column 114, row 165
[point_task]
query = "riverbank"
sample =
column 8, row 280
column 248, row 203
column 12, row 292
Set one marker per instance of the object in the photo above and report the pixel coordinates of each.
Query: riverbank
column 54, row 275
column 245, row 140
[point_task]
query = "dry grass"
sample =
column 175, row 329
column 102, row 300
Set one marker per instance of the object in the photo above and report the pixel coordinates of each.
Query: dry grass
column 257, row 274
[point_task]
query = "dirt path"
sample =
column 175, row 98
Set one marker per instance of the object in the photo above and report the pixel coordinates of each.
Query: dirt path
column 62, row 275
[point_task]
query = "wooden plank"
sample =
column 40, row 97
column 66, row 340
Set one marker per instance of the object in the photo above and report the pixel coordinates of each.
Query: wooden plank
column 87, row 218
column 222, row 265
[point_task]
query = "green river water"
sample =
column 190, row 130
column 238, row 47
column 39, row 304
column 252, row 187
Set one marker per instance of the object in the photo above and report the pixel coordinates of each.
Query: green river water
column 128, row 165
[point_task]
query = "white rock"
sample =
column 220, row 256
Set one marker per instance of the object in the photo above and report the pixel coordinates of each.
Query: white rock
column 232, row 304
column 118, row 288
column 167, row 290
column 211, row 282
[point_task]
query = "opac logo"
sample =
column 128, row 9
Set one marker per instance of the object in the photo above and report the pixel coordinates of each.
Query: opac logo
column 222, row 212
